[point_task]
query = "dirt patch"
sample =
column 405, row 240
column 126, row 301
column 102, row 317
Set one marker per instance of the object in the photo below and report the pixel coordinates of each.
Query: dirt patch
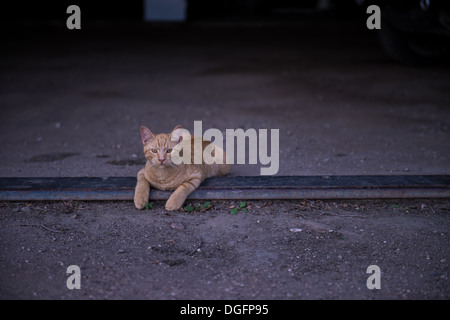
column 271, row 250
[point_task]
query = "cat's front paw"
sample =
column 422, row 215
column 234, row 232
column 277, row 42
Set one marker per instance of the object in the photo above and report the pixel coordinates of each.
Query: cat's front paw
column 140, row 203
column 173, row 204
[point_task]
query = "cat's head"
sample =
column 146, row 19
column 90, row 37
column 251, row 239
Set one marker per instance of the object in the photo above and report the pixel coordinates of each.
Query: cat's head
column 158, row 148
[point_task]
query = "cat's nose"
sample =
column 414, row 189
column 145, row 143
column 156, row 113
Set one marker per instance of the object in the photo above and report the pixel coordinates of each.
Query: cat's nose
column 162, row 160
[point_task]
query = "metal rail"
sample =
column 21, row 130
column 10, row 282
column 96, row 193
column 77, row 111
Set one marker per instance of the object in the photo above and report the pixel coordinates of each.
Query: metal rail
column 242, row 187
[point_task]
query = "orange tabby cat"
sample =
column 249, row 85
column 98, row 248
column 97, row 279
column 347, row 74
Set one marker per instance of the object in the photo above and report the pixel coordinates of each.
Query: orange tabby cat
column 161, row 173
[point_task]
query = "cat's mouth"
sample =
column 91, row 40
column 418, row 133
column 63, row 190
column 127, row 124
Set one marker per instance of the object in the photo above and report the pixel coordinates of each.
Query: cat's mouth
column 164, row 164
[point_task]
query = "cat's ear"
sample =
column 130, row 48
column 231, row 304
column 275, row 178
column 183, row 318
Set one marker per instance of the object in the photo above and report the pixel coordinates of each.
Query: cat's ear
column 146, row 135
column 177, row 134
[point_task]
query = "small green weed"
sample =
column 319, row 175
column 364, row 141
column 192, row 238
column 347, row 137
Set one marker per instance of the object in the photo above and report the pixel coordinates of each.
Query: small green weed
column 198, row 207
column 148, row 206
column 396, row 206
column 242, row 207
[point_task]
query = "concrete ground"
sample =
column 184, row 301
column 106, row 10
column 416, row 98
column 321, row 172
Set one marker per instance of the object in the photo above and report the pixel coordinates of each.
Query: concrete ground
column 72, row 102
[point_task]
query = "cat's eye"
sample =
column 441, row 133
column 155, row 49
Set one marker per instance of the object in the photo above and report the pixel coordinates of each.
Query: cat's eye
column 169, row 150
column 154, row 150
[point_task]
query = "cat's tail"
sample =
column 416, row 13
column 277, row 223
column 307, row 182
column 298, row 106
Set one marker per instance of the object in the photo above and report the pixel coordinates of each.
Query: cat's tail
column 224, row 169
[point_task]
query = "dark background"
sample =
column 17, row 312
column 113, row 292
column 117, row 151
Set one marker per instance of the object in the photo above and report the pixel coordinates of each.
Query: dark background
column 197, row 10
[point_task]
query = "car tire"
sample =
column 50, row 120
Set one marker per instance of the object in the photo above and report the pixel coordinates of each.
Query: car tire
column 411, row 47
